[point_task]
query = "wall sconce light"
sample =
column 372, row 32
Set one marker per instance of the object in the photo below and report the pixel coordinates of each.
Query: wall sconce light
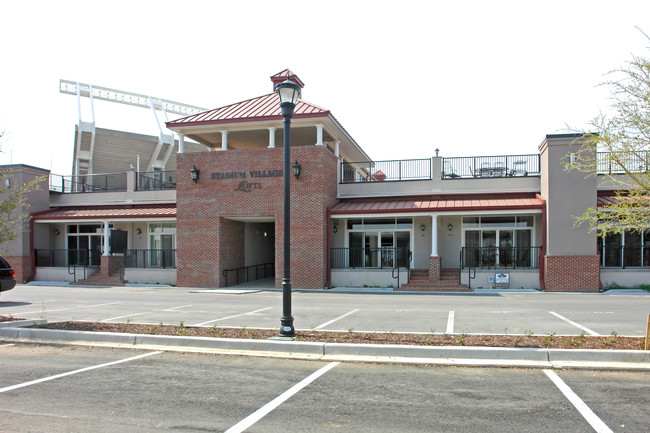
column 195, row 174
column 56, row 232
column 296, row 169
column 138, row 231
column 335, row 229
column 450, row 227
column 422, row 227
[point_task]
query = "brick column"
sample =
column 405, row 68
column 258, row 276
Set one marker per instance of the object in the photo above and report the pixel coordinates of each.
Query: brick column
column 565, row 273
column 22, row 266
column 435, row 263
column 110, row 265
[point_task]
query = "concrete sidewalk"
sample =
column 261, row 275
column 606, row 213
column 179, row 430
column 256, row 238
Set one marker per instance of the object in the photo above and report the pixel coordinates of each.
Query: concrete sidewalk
column 376, row 353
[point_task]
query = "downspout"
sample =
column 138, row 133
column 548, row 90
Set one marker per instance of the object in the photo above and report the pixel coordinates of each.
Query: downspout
column 32, row 253
column 542, row 253
column 328, row 213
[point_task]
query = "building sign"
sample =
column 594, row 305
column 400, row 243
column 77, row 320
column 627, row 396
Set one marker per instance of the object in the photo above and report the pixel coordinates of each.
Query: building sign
column 245, row 185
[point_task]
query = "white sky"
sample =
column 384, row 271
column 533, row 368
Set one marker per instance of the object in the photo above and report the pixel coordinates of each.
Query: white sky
column 468, row 77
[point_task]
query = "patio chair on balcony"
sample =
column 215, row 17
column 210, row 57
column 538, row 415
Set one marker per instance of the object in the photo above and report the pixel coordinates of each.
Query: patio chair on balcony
column 448, row 171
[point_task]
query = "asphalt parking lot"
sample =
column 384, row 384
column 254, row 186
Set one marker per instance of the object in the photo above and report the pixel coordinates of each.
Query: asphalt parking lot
column 493, row 313
column 83, row 389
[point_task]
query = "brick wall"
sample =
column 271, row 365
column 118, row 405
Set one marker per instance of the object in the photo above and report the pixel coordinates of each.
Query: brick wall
column 22, row 266
column 209, row 237
column 572, row 273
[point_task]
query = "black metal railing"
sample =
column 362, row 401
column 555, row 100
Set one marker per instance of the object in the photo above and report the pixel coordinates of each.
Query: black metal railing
column 66, row 257
column 351, row 258
column 154, row 180
column 503, row 257
column 150, row 259
column 625, row 257
column 633, row 162
column 246, row 274
column 112, row 182
column 386, row 171
column 490, row 166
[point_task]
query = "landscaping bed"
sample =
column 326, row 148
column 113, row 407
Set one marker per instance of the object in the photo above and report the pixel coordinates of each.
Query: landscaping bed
column 536, row 341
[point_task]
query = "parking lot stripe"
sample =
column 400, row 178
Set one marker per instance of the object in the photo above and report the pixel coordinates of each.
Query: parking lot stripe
column 81, row 370
column 577, row 325
column 230, row 317
column 450, row 323
column 7, row 345
column 270, row 406
column 584, row 410
column 128, row 315
column 66, row 309
column 337, row 319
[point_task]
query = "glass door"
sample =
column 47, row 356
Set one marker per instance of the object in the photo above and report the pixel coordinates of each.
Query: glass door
column 505, row 248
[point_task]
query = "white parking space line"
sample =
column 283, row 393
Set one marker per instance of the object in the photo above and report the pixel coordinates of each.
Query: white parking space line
column 450, row 323
column 81, row 370
column 176, row 308
column 66, row 309
column 593, row 420
column 231, row 317
column 128, row 315
column 577, row 325
column 7, row 345
column 270, row 406
column 337, row 319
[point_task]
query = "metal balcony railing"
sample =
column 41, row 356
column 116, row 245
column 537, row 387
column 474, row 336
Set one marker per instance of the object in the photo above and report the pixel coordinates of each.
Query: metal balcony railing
column 386, row 171
column 633, row 162
column 150, row 259
column 66, row 257
column 156, row 180
column 490, row 166
column 351, row 258
column 500, row 257
column 111, row 182
column 625, row 257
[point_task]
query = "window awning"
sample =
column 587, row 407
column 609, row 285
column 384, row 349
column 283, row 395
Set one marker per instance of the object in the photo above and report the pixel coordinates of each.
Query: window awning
column 438, row 204
column 107, row 213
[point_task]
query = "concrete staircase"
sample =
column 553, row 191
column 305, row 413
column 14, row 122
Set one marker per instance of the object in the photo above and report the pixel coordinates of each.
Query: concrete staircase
column 449, row 278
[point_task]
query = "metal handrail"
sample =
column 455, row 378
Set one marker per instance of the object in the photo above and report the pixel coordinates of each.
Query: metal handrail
column 150, row 258
column 109, row 182
column 268, row 270
column 155, row 180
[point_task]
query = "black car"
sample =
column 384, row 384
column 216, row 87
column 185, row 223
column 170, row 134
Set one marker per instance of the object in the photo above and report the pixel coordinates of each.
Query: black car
column 7, row 276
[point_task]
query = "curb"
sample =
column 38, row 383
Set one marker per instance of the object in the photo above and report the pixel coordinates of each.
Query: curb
column 381, row 353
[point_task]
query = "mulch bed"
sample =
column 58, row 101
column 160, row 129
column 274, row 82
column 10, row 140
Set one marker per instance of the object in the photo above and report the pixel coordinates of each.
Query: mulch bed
column 534, row 341
column 9, row 318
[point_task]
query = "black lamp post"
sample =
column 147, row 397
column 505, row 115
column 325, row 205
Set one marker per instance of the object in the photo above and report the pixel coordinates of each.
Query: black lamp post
column 288, row 92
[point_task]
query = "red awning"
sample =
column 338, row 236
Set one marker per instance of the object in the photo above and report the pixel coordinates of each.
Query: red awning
column 438, row 204
column 108, row 212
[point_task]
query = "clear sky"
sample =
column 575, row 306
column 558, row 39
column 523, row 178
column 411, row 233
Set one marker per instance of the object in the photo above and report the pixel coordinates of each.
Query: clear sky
column 403, row 77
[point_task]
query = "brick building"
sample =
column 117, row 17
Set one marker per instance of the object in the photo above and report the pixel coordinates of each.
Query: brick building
column 437, row 223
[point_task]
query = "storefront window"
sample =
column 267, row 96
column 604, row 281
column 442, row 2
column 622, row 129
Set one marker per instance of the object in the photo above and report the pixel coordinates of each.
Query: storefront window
column 378, row 242
column 499, row 241
column 630, row 248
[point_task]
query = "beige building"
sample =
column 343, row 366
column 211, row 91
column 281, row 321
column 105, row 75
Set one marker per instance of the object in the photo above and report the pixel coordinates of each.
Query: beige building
column 436, row 223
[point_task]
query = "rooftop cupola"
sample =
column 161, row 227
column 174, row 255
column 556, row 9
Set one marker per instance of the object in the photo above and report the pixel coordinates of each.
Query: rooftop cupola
column 283, row 76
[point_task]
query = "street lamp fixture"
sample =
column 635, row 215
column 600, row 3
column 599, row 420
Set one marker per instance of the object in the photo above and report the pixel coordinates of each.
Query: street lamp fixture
column 288, row 92
column 195, row 174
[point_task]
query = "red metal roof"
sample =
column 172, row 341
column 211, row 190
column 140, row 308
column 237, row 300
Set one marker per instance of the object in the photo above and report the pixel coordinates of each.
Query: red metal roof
column 265, row 107
column 437, row 204
column 109, row 212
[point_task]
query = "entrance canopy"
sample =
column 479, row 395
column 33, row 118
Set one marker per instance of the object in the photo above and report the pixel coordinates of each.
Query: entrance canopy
column 107, row 213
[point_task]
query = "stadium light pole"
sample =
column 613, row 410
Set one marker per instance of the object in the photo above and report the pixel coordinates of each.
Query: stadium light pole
column 289, row 92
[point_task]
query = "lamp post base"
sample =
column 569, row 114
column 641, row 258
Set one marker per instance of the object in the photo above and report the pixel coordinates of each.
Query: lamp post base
column 286, row 321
